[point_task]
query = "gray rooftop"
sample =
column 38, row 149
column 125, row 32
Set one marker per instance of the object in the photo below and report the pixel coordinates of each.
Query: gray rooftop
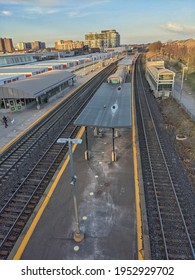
column 21, row 70
column 35, row 85
column 109, row 107
column 47, row 63
column 7, row 75
column 127, row 60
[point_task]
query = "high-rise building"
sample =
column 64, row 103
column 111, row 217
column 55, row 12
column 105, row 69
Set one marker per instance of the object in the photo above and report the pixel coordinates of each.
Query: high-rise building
column 6, row 45
column 37, row 45
column 42, row 45
column 94, row 40
column 68, row 45
column 22, row 46
column 105, row 39
column 28, row 45
column 2, row 45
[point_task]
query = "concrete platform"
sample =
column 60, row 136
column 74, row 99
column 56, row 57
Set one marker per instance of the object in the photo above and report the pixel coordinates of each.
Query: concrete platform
column 106, row 205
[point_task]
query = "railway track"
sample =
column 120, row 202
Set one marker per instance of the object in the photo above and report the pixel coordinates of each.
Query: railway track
column 27, row 168
column 168, row 193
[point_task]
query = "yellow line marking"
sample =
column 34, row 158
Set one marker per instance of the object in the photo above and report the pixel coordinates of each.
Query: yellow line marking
column 44, row 204
column 136, row 180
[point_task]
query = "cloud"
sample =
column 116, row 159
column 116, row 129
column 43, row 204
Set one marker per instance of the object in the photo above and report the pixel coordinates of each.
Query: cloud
column 31, row 9
column 88, row 4
column 75, row 8
column 77, row 14
column 53, row 11
column 57, row 3
column 179, row 28
column 6, row 13
column 31, row 2
column 78, row 10
column 40, row 11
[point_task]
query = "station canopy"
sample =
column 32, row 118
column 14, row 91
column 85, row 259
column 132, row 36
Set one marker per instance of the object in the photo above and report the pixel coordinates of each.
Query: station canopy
column 110, row 107
column 127, row 60
column 36, row 85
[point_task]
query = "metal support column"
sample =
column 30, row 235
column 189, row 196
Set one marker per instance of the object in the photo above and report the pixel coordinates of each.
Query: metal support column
column 87, row 156
column 5, row 104
column 38, row 104
column 95, row 132
column 113, row 146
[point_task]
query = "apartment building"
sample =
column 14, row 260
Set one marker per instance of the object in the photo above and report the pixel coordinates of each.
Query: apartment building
column 2, row 45
column 68, row 45
column 6, row 45
column 105, row 39
column 23, row 46
column 37, row 45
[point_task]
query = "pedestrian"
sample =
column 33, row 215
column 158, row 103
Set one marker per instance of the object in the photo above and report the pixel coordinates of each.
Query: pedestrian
column 5, row 121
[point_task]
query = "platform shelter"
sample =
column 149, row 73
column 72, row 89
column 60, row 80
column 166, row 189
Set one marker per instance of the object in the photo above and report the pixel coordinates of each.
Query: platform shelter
column 110, row 107
column 40, row 88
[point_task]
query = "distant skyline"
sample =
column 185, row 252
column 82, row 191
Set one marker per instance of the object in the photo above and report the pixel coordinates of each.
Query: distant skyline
column 137, row 21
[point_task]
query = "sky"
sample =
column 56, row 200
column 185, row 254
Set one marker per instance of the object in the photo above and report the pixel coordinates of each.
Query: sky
column 137, row 21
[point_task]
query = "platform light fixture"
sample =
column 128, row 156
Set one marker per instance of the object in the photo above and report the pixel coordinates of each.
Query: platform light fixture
column 78, row 234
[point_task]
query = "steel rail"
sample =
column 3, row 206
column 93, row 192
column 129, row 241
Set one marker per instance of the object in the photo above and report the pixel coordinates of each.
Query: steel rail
column 167, row 170
column 28, row 198
column 4, row 158
column 15, row 169
column 153, row 180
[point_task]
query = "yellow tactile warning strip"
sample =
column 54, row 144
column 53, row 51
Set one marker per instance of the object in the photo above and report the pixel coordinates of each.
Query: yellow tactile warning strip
column 140, row 250
column 44, row 204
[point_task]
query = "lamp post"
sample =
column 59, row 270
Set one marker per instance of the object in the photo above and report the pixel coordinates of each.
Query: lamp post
column 78, row 235
column 84, row 67
column 74, row 65
column 93, row 63
column 185, row 67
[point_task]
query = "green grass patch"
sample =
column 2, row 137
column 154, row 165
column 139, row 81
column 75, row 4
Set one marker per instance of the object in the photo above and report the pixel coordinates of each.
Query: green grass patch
column 191, row 81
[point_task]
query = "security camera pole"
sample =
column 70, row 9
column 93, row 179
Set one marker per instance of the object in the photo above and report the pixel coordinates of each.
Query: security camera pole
column 78, row 235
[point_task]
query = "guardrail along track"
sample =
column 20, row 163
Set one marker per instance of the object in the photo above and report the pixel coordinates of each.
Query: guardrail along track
column 168, row 193
column 23, row 183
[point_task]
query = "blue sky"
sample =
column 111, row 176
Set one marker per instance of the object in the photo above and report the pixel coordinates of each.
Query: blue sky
column 137, row 21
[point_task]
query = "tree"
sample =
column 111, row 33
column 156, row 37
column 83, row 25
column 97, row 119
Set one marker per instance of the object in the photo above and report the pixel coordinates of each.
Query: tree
column 191, row 58
column 155, row 47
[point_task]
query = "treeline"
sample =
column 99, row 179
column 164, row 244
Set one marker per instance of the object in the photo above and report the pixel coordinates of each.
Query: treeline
column 182, row 51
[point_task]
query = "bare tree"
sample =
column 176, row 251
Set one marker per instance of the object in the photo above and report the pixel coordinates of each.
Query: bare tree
column 155, row 47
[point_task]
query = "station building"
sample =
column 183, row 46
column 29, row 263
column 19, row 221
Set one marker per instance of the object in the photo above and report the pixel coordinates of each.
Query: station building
column 15, row 59
column 18, row 93
column 9, row 78
column 27, row 71
column 160, row 79
column 34, row 91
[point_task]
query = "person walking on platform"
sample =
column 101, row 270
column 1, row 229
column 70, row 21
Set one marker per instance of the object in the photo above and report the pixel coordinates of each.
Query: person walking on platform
column 5, row 121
